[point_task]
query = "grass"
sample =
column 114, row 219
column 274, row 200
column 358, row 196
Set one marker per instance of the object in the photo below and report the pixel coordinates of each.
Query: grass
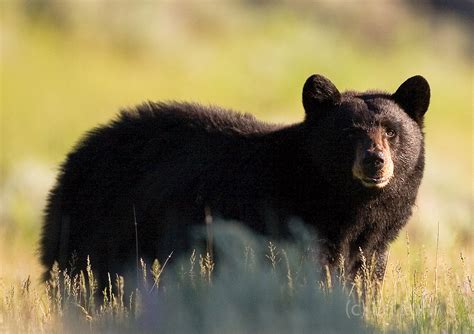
column 60, row 78
column 420, row 293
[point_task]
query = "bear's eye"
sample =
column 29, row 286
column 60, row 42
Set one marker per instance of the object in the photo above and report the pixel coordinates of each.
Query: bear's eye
column 390, row 133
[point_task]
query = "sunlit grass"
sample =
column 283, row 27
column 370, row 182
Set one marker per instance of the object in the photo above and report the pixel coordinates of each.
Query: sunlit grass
column 421, row 292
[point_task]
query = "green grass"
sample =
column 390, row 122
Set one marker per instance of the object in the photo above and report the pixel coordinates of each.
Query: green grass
column 58, row 80
column 57, row 84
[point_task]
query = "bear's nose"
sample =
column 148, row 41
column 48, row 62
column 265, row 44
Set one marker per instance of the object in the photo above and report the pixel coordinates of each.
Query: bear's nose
column 374, row 158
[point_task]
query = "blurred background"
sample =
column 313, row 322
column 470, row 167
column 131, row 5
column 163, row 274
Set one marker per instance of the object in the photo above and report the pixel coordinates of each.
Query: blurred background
column 67, row 66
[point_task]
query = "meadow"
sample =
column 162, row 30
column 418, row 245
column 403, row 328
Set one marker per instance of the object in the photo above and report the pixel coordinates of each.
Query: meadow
column 66, row 67
column 258, row 287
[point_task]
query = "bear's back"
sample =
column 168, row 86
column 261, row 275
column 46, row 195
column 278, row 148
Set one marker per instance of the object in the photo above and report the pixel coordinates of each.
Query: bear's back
column 193, row 117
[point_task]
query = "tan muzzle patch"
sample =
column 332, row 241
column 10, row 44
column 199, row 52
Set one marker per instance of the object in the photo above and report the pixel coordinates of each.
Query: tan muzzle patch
column 373, row 165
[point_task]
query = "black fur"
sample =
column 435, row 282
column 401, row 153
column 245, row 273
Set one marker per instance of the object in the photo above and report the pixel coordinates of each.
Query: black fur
column 169, row 161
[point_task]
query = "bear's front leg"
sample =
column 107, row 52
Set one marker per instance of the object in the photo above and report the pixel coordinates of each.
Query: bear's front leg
column 381, row 264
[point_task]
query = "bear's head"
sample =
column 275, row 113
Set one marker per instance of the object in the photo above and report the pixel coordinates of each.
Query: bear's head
column 369, row 140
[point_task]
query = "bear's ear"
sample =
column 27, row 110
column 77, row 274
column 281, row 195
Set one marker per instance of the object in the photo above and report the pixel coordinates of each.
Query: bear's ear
column 319, row 94
column 414, row 97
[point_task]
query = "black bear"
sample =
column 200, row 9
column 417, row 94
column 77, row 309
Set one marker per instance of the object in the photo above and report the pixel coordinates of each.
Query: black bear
column 351, row 170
